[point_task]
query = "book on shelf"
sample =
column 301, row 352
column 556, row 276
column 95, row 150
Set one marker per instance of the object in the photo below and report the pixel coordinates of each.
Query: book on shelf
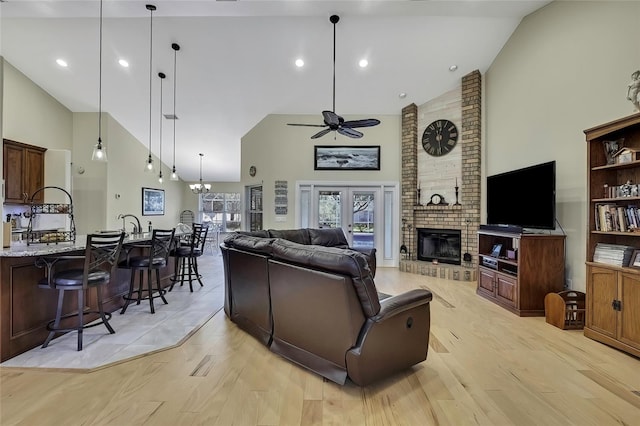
column 613, row 254
column 615, row 218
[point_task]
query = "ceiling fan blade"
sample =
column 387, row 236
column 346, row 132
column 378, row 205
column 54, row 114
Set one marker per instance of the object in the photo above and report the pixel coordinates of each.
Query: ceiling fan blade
column 368, row 122
column 349, row 132
column 307, row 125
column 321, row 133
column 331, row 118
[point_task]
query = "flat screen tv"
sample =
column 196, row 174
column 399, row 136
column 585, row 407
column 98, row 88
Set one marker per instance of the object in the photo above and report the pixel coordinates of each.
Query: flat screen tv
column 525, row 197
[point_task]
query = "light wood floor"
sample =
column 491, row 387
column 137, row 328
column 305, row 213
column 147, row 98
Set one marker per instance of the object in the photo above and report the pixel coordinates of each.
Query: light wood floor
column 485, row 366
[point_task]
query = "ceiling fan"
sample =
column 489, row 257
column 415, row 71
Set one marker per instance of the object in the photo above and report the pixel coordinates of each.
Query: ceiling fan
column 332, row 121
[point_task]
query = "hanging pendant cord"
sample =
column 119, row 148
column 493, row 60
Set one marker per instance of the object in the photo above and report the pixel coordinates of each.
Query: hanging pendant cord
column 150, row 73
column 100, row 83
column 175, row 117
column 161, row 79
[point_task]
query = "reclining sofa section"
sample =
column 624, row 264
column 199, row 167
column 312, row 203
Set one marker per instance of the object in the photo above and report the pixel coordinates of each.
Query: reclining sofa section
column 318, row 306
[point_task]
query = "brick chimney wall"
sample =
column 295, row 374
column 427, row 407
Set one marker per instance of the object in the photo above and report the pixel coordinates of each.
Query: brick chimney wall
column 416, row 214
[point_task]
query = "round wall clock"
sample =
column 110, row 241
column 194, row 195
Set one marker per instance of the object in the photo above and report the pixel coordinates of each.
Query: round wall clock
column 252, row 171
column 439, row 138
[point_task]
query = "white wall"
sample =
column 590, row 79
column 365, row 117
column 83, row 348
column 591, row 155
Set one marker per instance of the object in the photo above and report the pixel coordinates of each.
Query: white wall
column 565, row 69
column 281, row 152
column 103, row 191
column 32, row 116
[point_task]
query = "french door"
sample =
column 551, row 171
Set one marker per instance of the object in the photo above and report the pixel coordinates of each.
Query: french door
column 367, row 212
column 353, row 209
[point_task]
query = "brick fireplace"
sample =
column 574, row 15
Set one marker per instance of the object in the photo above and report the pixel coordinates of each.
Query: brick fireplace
column 463, row 217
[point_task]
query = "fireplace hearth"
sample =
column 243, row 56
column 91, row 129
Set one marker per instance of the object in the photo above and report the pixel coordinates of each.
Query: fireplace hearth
column 441, row 245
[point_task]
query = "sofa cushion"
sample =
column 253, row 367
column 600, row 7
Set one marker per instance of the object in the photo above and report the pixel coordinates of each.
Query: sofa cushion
column 331, row 259
column 300, row 236
column 250, row 243
column 328, row 237
column 261, row 233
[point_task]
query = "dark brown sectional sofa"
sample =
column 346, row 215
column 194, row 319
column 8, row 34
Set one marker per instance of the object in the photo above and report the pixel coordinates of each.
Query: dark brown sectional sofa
column 318, row 306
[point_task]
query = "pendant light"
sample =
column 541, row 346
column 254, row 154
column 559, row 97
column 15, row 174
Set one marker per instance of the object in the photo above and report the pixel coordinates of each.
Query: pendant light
column 162, row 77
column 175, row 47
column 99, row 153
column 149, row 163
column 200, row 188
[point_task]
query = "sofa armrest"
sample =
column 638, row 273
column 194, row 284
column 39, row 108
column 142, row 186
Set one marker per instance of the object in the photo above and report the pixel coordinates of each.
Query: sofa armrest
column 370, row 253
column 394, row 340
column 402, row 302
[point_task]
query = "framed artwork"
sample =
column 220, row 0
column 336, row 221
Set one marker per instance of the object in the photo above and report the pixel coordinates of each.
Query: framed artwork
column 635, row 259
column 332, row 157
column 152, row 202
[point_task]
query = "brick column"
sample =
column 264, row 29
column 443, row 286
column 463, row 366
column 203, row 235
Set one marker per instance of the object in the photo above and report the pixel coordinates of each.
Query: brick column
column 409, row 165
column 471, row 158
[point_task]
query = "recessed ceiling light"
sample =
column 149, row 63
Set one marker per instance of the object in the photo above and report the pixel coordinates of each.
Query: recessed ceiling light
column 61, row 62
column 299, row 63
column 453, row 67
column 363, row 63
column 123, row 63
column 402, row 95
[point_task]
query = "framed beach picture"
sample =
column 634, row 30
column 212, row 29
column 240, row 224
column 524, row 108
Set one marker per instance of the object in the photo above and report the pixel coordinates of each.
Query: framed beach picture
column 152, row 202
column 331, row 157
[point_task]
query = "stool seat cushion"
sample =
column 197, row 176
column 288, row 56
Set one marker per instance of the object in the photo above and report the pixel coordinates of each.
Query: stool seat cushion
column 73, row 278
column 143, row 262
column 185, row 251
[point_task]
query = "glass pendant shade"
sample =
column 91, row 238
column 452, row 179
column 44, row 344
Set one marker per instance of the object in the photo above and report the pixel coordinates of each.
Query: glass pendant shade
column 149, row 166
column 174, row 175
column 99, row 153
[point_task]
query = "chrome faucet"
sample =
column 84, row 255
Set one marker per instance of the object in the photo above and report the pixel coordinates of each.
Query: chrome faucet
column 137, row 228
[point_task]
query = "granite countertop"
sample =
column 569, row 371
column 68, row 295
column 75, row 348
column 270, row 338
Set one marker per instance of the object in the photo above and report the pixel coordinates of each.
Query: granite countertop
column 21, row 249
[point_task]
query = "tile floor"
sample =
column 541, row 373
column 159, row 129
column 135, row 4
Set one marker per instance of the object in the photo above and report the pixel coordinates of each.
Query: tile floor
column 138, row 332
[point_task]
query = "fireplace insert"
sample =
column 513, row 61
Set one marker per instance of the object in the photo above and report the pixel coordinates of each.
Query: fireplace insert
column 443, row 245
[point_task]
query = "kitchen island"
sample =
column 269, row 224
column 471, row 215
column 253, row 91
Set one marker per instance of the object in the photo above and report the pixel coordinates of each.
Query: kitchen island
column 26, row 308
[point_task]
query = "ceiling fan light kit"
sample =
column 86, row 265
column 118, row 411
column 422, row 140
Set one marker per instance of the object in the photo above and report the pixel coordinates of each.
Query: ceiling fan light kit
column 332, row 121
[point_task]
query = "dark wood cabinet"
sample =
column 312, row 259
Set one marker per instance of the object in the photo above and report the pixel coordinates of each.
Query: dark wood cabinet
column 23, row 172
column 26, row 308
column 520, row 282
column 613, row 291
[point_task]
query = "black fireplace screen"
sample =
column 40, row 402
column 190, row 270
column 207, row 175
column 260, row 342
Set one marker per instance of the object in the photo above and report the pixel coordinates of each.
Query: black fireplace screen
column 442, row 245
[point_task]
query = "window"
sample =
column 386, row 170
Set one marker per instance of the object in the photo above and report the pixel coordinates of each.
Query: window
column 222, row 210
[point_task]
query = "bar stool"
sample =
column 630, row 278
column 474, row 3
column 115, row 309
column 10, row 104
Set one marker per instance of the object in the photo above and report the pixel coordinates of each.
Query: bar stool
column 186, row 265
column 162, row 243
column 101, row 249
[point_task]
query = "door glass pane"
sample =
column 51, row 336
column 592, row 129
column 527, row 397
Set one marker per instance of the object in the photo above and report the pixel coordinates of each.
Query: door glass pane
column 388, row 224
column 363, row 219
column 329, row 209
column 305, row 202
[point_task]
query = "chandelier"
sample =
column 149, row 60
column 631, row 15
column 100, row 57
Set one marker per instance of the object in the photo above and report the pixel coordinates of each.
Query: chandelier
column 200, row 188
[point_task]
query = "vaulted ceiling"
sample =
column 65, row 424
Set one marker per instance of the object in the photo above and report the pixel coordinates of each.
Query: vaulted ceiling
column 236, row 62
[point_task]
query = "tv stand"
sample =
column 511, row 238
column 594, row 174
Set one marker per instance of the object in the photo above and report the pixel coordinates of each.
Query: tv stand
column 527, row 267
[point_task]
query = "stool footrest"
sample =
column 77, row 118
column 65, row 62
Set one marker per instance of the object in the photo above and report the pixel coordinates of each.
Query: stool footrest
column 50, row 326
